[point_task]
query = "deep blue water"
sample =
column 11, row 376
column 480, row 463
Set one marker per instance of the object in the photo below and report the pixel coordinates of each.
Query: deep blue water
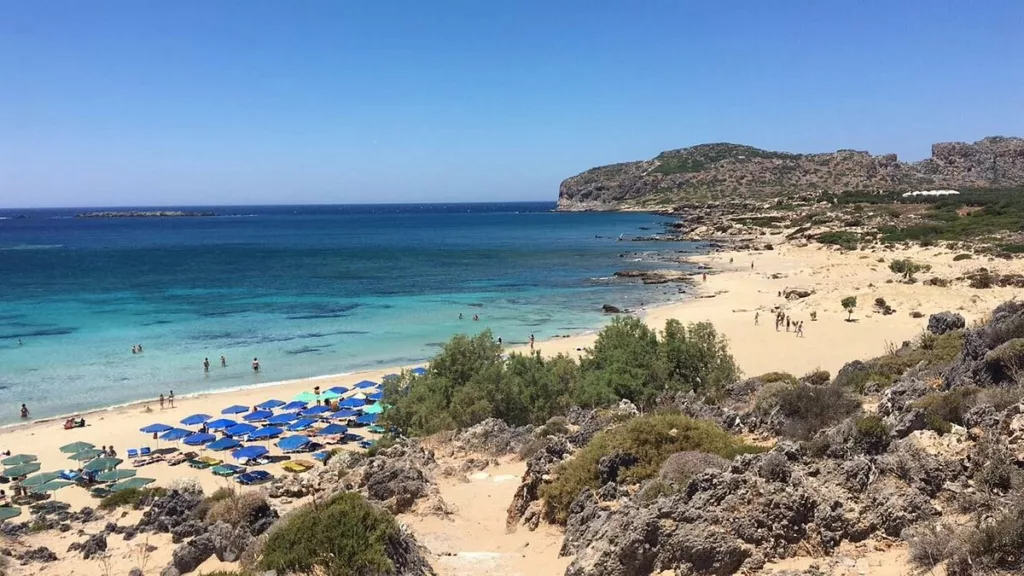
column 310, row 290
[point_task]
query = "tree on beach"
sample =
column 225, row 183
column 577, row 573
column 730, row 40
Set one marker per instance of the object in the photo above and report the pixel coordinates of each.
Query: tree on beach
column 849, row 303
column 907, row 268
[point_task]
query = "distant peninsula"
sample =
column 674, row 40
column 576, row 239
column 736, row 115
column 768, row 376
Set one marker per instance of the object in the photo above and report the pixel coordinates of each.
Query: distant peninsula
column 710, row 173
column 145, row 214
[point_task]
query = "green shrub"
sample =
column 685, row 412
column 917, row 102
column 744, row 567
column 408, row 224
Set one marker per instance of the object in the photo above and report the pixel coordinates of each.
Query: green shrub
column 992, row 547
column 960, row 257
column 382, row 443
column 132, row 497
column 844, row 239
column 651, row 439
column 555, row 426
column 943, row 409
column 772, row 377
column 345, row 536
column 808, row 409
column 849, row 303
column 817, row 377
column 907, row 268
column 1008, row 356
column 237, row 510
column 871, row 434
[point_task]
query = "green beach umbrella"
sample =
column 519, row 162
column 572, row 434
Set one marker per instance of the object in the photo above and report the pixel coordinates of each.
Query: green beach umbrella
column 39, row 479
column 306, row 397
column 6, row 513
column 131, row 483
column 18, row 459
column 373, row 409
column 87, row 454
column 76, row 447
column 21, row 470
column 102, row 464
column 52, row 486
column 115, row 475
column 330, row 395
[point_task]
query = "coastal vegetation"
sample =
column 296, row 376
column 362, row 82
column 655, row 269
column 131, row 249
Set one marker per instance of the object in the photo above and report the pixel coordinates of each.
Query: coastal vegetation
column 849, row 304
column 470, row 380
column 648, row 441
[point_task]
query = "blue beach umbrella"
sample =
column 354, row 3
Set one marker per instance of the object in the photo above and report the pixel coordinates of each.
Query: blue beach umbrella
column 351, row 403
column 339, row 390
column 376, row 396
column 220, row 424
column 175, row 434
column 342, row 414
column 236, row 409
column 292, row 443
column 199, row 439
column 334, row 430
column 264, row 433
column 367, row 419
column 316, row 410
column 240, row 430
column 223, row 444
column 295, row 405
column 269, row 404
column 194, row 419
column 283, row 418
column 249, row 453
column 365, row 384
column 257, row 415
column 155, row 428
column 301, row 424
column 418, row 371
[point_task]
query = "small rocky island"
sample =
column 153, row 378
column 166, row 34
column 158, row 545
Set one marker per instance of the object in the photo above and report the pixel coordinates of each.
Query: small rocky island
column 145, row 214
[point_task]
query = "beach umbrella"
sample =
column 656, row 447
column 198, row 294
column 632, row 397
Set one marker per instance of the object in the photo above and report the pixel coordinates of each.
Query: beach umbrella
column 339, row 390
column 362, row 384
column 292, row 443
column 418, row 371
column 175, row 434
column 156, row 428
column 376, row 396
column 351, row 403
column 102, row 464
column 18, row 459
column 236, row 409
column 295, row 405
column 334, row 430
column 367, row 419
column 342, row 414
column 223, row 444
column 131, row 483
column 86, row 455
column 269, row 404
column 115, row 475
column 316, row 410
column 240, row 429
column 220, row 423
column 52, row 486
column 39, row 479
column 21, row 470
column 328, row 395
column 8, row 512
column 249, row 453
column 306, row 397
column 373, row 409
column 199, row 439
column 301, row 424
column 75, row 447
column 195, row 419
column 264, row 433
column 283, row 418
column 257, row 415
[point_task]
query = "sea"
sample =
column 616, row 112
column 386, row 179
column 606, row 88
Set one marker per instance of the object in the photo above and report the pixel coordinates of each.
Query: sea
column 309, row 290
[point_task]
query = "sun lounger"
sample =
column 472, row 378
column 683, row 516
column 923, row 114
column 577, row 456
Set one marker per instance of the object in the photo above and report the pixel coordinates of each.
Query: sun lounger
column 198, row 464
column 366, row 444
column 147, row 460
column 297, row 466
column 145, row 451
column 133, row 453
column 100, row 492
column 226, row 470
column 321, row 456
column 254, row 477
column 181, row 458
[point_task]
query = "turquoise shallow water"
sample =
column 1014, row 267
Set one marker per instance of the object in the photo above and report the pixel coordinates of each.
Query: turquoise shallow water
column 310, row 290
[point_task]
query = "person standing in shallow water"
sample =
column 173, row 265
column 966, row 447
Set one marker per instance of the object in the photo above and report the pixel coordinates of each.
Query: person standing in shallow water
column 255, row 365
column 206, row 364
column 24, row 411
column 170, row 399
column 223, row 362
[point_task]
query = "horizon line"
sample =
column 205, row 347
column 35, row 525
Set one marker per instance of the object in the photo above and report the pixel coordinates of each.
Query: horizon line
column 164, row 206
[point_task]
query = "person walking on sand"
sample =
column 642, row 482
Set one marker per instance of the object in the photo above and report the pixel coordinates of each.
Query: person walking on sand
column 705, row 277
column 499, row 340
column 757, row 318
column 255, row 364
column 751, row 265
column 223, row 361
column 531, row 341
column 787, row 323
column 161, row 401
column 206, row 364
column 170, row 399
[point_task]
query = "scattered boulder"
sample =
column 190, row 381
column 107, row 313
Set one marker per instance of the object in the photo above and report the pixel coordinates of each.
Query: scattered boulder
column 188, row 556
column 943, row 322
column 176, row 512
column 38, row 554
column 537, row 468
column 796, row 293
column 94, row 545
column 492, row 437
column 609, row 309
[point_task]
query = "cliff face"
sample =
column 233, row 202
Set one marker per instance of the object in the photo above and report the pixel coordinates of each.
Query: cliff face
column 720, row 171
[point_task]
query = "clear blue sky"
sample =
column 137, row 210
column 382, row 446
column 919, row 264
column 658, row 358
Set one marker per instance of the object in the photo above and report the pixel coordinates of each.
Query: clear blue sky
column 192, row 101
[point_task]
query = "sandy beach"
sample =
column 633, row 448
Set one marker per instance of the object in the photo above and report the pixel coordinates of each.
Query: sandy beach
column 730, row 297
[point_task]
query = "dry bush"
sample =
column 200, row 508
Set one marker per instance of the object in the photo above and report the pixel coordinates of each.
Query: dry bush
column 237, row 510
column 189, row 485
column 817, row 377
column 681, row 466
column 808, row 409
column 531, row 447
column 931, row 543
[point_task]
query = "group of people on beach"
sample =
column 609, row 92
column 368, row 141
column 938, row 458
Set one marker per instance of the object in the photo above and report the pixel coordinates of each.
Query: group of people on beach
column 169, row 400
column 781, row 318
column 224, row 364
column 477, row 318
